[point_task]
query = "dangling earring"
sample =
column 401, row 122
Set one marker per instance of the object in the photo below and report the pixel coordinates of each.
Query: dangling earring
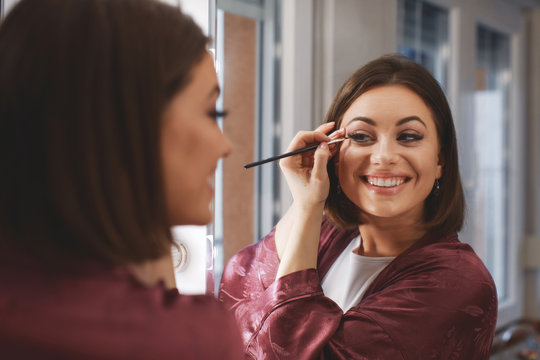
column 338, row 189
column 436, row 188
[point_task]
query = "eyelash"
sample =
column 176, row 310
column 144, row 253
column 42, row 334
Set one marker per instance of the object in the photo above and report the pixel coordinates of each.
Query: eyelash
column 362, row 138
column 408, row 137
column 218, row 114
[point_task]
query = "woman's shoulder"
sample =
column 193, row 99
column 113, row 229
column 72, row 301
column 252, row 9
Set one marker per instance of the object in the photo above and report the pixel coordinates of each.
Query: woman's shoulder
column 109, row 314
column 443, row 259
column 450, row 251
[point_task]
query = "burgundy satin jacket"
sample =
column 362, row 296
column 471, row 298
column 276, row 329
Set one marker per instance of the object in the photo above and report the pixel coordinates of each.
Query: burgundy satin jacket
column 434, row 301
column 103, row 313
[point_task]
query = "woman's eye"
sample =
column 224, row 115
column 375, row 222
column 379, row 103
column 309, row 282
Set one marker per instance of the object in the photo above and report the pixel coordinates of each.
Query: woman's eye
column 360, row 137
column 215, row 114
column 409, row 137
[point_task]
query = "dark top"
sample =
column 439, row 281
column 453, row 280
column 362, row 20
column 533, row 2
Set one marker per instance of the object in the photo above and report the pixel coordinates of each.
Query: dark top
column 102, row 313
column 436, row 300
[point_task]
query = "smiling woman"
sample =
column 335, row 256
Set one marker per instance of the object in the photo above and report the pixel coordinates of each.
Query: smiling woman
column 381, row 275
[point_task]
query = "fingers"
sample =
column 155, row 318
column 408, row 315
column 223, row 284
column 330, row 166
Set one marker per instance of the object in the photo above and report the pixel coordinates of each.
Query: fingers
column 336, row 135
column 307, row 138
column 326, row 127
column 322, row 154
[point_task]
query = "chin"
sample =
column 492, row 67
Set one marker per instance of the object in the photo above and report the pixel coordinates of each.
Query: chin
column 203, row 218
column 193, row 217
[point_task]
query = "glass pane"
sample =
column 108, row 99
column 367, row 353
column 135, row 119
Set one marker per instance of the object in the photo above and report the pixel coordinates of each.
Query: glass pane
column 489, row 205
column 237, row 54
column 423, row 36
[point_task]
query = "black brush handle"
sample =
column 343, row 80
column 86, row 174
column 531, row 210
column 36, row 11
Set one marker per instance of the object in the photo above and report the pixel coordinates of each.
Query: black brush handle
column 299, row 151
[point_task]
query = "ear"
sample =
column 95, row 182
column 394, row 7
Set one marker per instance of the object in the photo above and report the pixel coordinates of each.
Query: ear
column 440, row 165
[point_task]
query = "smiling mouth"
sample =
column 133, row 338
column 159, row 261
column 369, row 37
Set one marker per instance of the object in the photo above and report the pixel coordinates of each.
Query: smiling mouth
column 385, row 182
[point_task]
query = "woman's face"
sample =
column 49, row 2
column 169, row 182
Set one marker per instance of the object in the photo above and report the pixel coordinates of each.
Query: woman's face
column 390, row 162
column 191, row 145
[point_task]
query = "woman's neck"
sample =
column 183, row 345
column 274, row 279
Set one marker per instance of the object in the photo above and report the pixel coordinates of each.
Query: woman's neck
column 154, row 271
column 388, row 237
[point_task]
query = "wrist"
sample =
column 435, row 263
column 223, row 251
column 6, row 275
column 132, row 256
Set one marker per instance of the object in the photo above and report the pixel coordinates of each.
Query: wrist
column 307, row 209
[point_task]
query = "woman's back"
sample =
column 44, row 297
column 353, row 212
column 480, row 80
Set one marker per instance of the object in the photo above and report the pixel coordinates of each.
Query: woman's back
column 103, row 313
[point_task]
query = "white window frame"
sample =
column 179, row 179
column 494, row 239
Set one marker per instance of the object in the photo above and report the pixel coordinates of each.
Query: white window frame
column 464, row 20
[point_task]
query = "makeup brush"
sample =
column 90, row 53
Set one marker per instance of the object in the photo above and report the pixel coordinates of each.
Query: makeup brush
column 299, row 151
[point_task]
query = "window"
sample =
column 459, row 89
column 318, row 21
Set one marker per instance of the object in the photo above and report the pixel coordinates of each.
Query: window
column 423, row 36
column 489, row 204
column 246, row 33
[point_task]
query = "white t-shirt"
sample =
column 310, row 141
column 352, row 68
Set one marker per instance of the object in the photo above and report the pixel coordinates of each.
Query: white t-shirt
column 350, row 275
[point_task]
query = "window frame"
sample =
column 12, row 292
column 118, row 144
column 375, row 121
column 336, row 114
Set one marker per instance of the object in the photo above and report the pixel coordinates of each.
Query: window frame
column 464, row 18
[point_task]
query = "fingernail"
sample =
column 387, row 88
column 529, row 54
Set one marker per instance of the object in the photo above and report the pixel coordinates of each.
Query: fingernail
column 336, row 133
column 323, row 145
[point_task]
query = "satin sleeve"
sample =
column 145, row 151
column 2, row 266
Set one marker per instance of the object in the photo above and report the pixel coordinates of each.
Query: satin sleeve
column 290, row 318
column 423, row 309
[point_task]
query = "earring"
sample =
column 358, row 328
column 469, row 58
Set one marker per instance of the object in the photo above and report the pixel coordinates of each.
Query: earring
column 338, row 189
column 436, row 188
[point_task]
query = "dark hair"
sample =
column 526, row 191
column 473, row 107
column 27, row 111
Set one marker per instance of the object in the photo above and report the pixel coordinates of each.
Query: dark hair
column 83, row 85
column 444, row 211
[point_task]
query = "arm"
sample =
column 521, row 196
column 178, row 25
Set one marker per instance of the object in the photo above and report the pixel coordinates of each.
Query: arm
column 426, row 307
column 297, row 234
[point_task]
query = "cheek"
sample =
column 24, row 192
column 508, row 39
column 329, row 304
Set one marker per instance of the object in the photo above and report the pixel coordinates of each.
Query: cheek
column 351, row 159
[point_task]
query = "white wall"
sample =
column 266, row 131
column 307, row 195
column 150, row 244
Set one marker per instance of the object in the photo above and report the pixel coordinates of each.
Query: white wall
column 296, row 50
column 199, row 10
column 8, row 4
column 349, row 33
column 532, row 247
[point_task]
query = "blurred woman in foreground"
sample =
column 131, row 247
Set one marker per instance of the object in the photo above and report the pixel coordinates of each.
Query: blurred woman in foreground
column 108, row 138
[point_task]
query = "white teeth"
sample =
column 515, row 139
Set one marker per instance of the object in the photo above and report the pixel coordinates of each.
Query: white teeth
column 385, row 182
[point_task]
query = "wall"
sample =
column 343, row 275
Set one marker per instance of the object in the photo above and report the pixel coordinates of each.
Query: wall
column 532, row 247
column 8, row 4
column 349, row 33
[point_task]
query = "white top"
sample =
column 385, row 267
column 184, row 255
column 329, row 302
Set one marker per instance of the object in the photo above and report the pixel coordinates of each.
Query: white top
column 350, row 275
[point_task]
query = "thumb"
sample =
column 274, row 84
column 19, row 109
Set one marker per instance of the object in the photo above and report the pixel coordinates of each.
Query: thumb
column 321, row 156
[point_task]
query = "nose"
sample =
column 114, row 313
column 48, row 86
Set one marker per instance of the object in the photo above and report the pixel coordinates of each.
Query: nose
column 384, row 153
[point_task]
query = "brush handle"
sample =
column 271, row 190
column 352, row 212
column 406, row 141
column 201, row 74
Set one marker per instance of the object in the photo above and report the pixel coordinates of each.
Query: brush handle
column 299, row 151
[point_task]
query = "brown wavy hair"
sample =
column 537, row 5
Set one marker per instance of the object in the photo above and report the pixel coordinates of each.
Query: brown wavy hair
column 444, row 210
column 83, row 85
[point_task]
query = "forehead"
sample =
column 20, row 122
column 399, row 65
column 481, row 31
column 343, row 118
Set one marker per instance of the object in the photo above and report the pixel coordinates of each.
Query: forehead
column 204, row 75
column 388, row 103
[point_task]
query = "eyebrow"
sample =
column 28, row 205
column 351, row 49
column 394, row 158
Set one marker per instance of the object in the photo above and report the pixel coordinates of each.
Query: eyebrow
column 399, row 123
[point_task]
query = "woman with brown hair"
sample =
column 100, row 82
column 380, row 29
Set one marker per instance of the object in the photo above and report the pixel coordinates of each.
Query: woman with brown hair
column 381, row 275
column 108, row 137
